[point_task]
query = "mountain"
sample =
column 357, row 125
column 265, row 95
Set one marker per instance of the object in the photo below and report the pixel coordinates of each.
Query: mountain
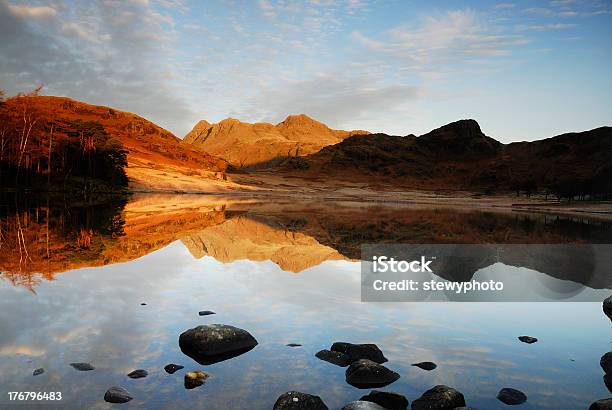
column 155, row 157
column 262, row 144
column 459, row 156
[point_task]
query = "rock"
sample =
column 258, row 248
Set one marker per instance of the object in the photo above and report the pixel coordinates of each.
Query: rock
column 360, row 351
column 195, row 379
column 511, row 396
column 293, row 345
column 337, row 358
column 388, row 400
column 38, row 372
column 439, row 398
column 363, row 405
column 117, row 395
column 143, row 304
column 365, row 373
column 82, row 367
column 138, row 374
column 608, row 381
column 527, row 339
column 604, row 404
column 295, row 400
column 206, row 313
column 606, row 362
column 214, row 343
column 607, row 307
column 173, row 368
column 425, row 365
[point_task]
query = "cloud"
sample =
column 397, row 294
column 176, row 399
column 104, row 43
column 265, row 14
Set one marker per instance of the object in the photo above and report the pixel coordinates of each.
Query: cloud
column 545, row 27
column 32, row 12
column 454, row 37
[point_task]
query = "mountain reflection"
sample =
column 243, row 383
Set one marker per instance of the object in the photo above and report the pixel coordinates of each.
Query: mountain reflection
column 39, row 239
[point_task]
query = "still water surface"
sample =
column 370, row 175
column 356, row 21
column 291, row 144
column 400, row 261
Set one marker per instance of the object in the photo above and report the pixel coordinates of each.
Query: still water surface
column 287, row 274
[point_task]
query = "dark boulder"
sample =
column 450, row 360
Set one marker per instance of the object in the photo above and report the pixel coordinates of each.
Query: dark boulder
column 606, row 362
column 439, row 398
column 607, row 307
column 295, row 400
column 38, row 372
column 214, row 343
column 173, row 368
column 363, row 405
column 138, row 374
column 511, row 396
column 527, row 339
column 360, row 351
column 82, row 367
column 604, row 404
column 388, row 400
column 608, row 381
column 337, row 358
column 206, row 312
column 293, row 345
column 425, row 365
column 365, row 374
column 117, row 395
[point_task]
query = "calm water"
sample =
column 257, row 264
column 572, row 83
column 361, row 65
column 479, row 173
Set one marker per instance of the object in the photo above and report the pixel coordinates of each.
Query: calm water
column 287, row 273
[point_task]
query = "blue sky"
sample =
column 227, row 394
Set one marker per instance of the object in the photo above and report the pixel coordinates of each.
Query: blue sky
column 524, row 70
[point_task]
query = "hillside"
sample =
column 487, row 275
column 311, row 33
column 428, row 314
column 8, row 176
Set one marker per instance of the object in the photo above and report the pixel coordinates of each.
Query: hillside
column 459, row 156
column 262, row 144
column 153, row 154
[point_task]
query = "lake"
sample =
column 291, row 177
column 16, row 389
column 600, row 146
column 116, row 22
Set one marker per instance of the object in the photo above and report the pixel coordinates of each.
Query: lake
column 114, row 284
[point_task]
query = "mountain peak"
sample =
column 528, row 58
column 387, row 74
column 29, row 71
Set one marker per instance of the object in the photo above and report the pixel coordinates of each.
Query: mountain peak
column 300, row 120
column 467, row 128
column 463, row 136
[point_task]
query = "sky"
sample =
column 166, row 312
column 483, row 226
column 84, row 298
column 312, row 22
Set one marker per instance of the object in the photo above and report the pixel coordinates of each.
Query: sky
column 525, row 70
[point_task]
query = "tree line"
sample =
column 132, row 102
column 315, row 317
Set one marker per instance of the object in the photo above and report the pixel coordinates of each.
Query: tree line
column 38, row 151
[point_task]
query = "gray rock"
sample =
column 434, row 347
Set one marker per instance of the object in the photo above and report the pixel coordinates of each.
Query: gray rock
column 365, row 374
column 173, row 368
column 511, row 396
column 388, row 400
column 138, row 374
column 607, row 307
column 527, row 339
column 606, row 362
column 295, row 400
column 117, row 395
column 206, row 313
column 337, row 358
column 604, row 404
column 363, row 405
column 360, row 351
column 439, row 398
column 38, row 372
column 82, row 367
column 425, row 365
column 214, row 343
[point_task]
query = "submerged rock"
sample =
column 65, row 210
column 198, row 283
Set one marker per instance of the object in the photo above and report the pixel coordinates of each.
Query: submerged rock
column 138, row 374
column 143, row 304
column 527, row 339
column 195, row 379
column 604, row 404
column 425, row 365
column 214, row 343
column 606, row 362
column 295, row 400
column 607, row 307
column 38, row 371
column 439, row 398
column 117, row 395
column 173, row 368
column 337, row 358
column 206, row 313
column 363, row 405
column 511, row 396
column 82, row 367
column 388, row 400
column 293, row 345
column 365, row 373
column 360, row 351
